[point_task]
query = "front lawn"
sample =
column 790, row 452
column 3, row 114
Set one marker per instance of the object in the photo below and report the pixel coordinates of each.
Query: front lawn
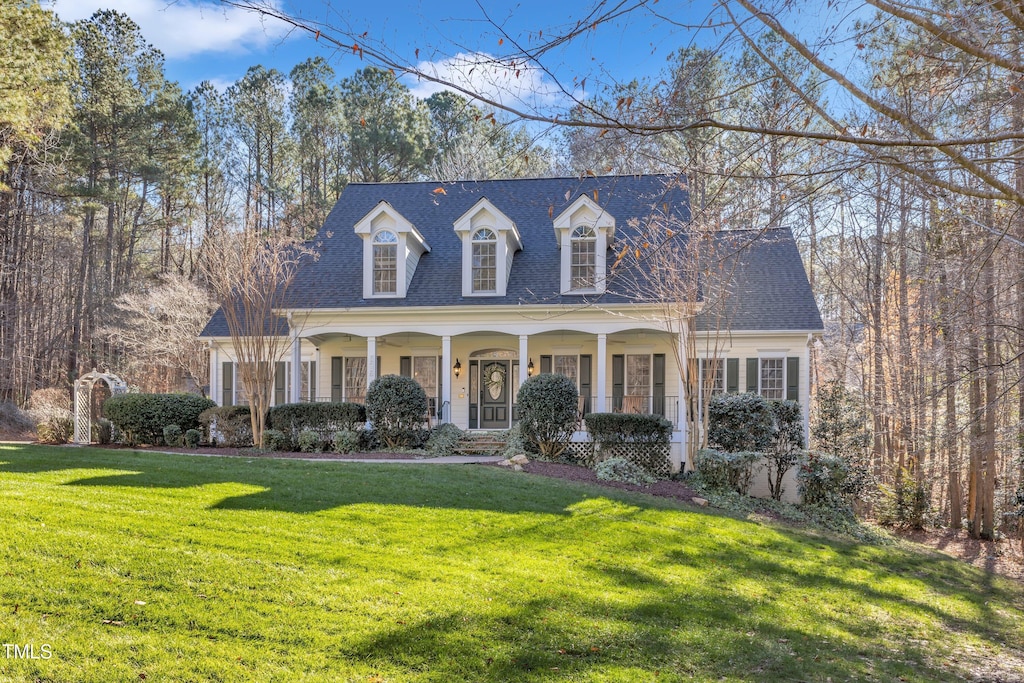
column 143, row 566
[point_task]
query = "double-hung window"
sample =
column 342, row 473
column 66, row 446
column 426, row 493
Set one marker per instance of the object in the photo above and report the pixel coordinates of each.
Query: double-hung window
column 385, row 262
column 772, row 384
column 583, row 261
column 485, row 261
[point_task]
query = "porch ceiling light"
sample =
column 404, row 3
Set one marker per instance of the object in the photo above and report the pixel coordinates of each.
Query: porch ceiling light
column 457, row 369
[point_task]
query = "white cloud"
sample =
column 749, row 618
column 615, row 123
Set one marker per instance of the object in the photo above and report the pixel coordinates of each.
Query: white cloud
column 520, row 86
column 183, row 28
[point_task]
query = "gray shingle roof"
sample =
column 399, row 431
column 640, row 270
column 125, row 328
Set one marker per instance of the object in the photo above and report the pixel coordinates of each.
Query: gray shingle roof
column 770, row 274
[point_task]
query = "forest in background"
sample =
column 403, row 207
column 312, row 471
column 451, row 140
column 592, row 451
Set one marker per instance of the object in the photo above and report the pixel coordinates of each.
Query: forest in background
column 114, row 180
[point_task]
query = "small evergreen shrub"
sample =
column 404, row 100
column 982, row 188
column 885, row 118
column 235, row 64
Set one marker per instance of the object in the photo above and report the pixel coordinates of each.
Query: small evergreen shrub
column 276, row 440
column 229, row 426
column 346, row 441
column 103, row 431
column 620, row 469
column 192, row 438
column 787, row 443
column 444, row 439
column 142, row 417
column 906, row 503
column 822, row 480
column 309, row 441
column 172, row 436
column 719, row 470
column 515, row 443
column 612, row 428
column 548, row 412
column 739, row 422
column 396, row 406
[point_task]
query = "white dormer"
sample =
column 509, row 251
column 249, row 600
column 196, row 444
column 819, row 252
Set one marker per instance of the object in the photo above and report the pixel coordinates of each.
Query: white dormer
column 585, row 232
column 392, row 246
column 489, row 241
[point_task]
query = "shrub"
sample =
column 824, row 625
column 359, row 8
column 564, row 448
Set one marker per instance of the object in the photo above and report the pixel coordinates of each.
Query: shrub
column 906, row 503
column 323, row 418
column 14, row 421
column 822, row 480
column 444, row 439
column 515, row 443
column 739, row 422
column 50, row 408
column 611, row 428
column 620, row 469
column 228, row 425
column 276, row 440
column 346, row 441
column 172, row 436
column 723, row 471
column 396, row 406
column 142, row 417
column 548, row 412
column 103, row 430
column 309, row 441
column 192, row 438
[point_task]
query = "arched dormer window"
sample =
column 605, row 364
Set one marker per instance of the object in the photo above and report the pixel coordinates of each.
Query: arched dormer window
column 485, row 261
column 583, row 263
column 392, row 247
column 385, row 262
column 489, row 242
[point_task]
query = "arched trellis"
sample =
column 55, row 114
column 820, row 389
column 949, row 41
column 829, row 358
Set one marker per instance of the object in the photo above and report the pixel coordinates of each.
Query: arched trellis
column 83, row 401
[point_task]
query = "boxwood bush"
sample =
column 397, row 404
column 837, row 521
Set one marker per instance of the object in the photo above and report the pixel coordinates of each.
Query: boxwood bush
column 172, row 436
column 739, row 422
column 723, row 471
column 228, row 426
column 192, row 438
column 548, row 412
column 141, row 418
column 611, row 428
column 396, row 406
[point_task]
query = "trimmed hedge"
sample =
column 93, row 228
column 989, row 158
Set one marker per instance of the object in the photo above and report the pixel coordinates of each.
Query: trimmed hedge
column 323, row 418
column 231, row 425
column 396, row 406
column 726, row 471
column 612, row 428
column 142, row 417
column 740, row 422
column 548, row 412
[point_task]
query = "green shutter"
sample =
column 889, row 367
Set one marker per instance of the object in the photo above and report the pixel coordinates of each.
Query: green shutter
column 336, row 375
column 227, row 384
column 378, row 367
column 658, row 384
column 752, row 375
column 405, row 366
column 586, row 386
column 732, row 375
column 474, row 395
column 280, row 373
column 545, row 365
column 793, row 378
column 618, row 380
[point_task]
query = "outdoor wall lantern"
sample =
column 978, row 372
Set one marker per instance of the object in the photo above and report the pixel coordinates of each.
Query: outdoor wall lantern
column 529, row 368
column 457, row 369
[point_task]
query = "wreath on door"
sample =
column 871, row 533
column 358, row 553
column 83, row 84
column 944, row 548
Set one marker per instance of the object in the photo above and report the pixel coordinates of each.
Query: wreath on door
column 494, row 380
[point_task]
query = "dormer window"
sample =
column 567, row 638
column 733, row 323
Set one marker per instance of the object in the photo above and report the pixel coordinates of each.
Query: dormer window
column 584, row 258
column 485, row 261
column 392, row 247
column 585, row 232
column 385, row 262
column 489, row 242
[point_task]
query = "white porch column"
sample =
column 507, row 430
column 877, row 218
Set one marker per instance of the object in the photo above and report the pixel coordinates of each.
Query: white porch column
column 524, row 359
column 446, row 380
column 600, row 395
column 296, row 392
column 214, row 374
column 315, row 388
column 371, row 360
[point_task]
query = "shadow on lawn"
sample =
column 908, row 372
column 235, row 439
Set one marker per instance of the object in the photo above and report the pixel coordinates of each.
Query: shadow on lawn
column 305, row 487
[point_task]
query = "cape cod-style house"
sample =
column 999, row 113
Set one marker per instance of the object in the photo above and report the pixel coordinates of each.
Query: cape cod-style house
column 470, row 287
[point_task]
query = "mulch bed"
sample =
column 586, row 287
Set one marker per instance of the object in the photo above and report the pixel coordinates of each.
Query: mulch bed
column 676, row 490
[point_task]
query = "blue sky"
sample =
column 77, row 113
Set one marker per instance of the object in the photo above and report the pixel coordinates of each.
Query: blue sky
column 204, row 40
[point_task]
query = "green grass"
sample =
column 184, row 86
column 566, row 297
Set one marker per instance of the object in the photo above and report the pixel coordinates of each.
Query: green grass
column 296, row 571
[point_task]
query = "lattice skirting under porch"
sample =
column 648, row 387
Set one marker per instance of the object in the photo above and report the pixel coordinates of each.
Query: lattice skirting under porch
column 652, row 457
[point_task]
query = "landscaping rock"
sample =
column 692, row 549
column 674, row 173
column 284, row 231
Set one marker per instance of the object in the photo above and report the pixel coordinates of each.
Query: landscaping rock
column 519, row 460
column 702, row 502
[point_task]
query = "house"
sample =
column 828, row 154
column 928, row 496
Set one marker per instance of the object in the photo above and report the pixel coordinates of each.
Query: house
column 471, row 287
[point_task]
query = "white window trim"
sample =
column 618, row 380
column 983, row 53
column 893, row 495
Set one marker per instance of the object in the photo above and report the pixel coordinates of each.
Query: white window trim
column 482, row 215
column 584, row 212
column 761, row 357
column 411, row 246
column 724, row 375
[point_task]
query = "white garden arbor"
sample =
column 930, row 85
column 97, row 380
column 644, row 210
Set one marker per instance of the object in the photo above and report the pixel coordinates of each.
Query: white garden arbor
column 83, row 401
